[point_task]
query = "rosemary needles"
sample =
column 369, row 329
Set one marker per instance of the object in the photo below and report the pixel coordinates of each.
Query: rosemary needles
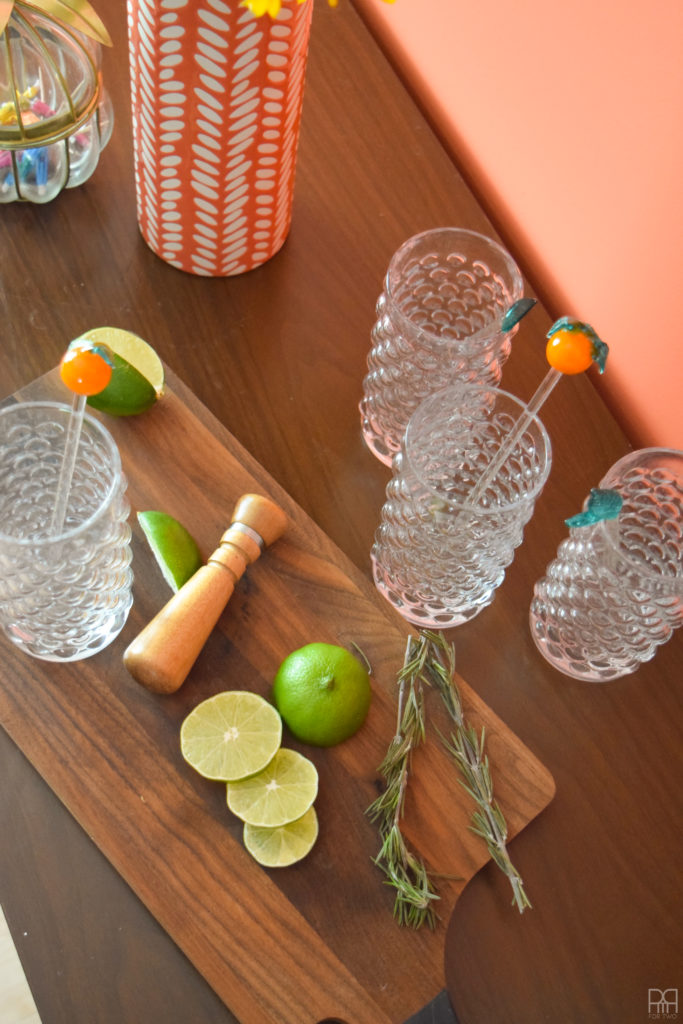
column 467, row 750
column 415, row 893
column 430, row 660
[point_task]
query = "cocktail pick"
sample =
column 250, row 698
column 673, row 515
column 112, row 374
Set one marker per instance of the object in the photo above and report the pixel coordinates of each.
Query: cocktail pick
column 517, row 310
column 86, row 370
column 510, row 319
column 602, row 504
column 572, row 347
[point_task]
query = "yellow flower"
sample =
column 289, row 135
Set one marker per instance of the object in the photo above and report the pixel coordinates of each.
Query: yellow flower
column 272, row 7
column 260, row 7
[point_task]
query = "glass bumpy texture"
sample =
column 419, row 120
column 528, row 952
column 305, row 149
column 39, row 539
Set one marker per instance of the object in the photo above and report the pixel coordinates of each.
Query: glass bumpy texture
column 436, row 559
column 437, row 323
column 66, row 597
column 614, row 592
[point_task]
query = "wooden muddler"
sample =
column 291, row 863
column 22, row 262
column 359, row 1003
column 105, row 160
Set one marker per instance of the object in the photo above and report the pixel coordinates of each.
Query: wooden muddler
column 161, row 655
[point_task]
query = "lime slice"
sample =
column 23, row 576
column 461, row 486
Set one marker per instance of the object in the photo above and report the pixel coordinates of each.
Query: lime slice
column 174, row 548
column 279, row 847
column 137, row 379
column 231, row 735
column 281, row 793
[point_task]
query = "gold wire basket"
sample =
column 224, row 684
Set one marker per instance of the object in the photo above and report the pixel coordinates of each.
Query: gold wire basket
column 55, row 115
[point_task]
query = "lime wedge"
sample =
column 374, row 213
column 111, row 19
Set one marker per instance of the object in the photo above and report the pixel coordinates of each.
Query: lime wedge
column 231, row 735
column 174, row 548
column 280, row 793
column 279, row 847
column 137, row 379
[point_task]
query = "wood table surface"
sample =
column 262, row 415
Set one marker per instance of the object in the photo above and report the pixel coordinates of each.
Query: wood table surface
column 278, row 357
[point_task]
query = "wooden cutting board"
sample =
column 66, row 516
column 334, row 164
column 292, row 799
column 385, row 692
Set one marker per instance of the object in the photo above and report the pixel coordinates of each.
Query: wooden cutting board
column 296, row 945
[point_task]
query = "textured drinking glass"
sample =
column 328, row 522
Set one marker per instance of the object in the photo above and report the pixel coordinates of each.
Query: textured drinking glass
column 614, row 592
column 438, row 323
column 66, row 596
column 438, row 557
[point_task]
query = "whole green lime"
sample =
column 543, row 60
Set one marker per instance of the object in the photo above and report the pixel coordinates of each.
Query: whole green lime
column 323, row 694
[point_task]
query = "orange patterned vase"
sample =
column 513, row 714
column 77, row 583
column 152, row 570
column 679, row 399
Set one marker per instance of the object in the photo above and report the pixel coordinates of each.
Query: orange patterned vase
column 216, row 100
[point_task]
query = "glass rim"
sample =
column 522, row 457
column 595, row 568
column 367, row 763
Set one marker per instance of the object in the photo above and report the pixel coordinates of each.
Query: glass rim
column 117, row 470
column 609, row 528
column 462, row 503
column 489, row 328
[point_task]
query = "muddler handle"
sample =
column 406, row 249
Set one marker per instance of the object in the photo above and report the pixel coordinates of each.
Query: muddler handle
column 161, row 655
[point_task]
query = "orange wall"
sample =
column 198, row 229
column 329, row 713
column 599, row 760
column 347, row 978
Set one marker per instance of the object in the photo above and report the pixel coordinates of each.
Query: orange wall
column 568, row 118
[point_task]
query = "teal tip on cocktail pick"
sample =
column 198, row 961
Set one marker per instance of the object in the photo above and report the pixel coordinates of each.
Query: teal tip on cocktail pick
column 600, row 353
column 515, row 313
column 601, row 505
column 103, row 351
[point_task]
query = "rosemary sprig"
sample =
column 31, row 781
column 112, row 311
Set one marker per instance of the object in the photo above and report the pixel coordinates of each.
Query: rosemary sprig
column 403, row 869
column 467, row 749
column 430, row 660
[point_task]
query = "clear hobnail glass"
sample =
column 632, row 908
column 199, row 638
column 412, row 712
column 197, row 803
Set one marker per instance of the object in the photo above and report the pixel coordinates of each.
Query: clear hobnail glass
column 66, row 596
column 614, row 592
column 55, row 115
column 438, row 323
column 437, row 556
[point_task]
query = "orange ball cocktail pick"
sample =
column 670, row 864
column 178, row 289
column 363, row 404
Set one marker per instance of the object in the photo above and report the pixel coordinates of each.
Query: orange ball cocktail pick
column 86, row 370
column 572, row 347
column 161, row 655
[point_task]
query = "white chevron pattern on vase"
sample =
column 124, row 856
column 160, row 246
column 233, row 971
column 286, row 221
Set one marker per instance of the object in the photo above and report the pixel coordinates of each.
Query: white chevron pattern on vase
column 216, row 98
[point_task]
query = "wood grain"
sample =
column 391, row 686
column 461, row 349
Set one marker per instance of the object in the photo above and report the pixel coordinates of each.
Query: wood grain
column 295, row 946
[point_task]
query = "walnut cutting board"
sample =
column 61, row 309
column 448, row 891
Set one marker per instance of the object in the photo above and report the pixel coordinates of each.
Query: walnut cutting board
column 309, row 942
